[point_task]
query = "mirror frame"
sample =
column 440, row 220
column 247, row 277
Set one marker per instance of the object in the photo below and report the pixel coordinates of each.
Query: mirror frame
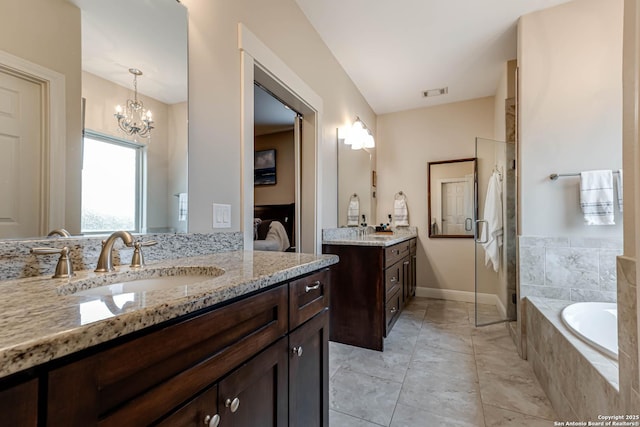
column 475, row 196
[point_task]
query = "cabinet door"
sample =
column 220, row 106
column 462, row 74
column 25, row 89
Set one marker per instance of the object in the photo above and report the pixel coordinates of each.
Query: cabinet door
column 201, row 411
column 406, row 280
column 255, row 394
column 309, row 373
column 19, row 405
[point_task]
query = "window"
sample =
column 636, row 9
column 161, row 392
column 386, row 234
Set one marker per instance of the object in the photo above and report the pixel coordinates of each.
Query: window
column 113, row 179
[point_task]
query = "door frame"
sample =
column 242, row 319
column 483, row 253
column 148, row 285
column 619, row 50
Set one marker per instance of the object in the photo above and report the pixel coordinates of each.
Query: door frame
column 52, row 87
column 260, row 64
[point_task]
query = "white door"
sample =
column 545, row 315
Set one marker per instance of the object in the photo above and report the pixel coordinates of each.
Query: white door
column 453, row 208
column 20, row 157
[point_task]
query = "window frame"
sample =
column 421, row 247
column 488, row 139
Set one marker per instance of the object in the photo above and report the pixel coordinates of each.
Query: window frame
column 140, row 173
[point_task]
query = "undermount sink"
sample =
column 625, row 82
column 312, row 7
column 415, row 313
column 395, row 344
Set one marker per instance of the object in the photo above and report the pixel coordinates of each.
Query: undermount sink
column 161, row 279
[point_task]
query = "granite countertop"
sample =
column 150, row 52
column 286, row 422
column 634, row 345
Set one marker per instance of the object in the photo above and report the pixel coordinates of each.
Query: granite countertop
column 370, row 239
column 41, row 319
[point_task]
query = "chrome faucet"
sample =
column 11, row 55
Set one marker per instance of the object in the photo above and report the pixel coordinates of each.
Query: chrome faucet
column 105, row 260
column 59, row 232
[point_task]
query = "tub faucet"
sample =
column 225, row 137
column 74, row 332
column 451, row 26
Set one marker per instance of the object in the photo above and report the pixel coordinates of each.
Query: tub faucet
column 105, row 260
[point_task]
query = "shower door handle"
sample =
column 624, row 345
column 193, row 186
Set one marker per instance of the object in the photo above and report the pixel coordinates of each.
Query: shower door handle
column 468, row 224
column 479, row 229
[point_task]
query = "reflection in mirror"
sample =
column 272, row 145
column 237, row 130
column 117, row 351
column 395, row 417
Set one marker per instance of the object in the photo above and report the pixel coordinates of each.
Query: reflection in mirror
column 112, row 42
column 451, row 198
column 355, row 172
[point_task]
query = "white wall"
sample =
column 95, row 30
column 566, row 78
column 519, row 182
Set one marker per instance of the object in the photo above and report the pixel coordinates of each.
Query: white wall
column 406, row 142
column 570, row 71
column 214, row 98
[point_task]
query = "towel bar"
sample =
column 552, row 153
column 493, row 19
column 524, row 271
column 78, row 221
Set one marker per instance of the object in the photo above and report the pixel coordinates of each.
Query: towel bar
column 555, row 176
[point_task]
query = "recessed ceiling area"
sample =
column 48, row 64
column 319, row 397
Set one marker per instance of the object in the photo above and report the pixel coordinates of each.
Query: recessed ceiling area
column 393, row 50
column 270, row 115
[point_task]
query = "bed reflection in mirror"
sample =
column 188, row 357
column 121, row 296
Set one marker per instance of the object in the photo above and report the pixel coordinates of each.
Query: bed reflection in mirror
column 451, row 198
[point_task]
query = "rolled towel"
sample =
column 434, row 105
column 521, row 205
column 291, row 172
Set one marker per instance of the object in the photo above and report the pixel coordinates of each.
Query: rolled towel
column 400, row 211
column 596, row 197
column 353, row 211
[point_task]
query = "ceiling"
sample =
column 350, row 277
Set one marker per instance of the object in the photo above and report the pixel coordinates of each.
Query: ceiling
column 150, row 35
column 393, row 50
column 270, row 115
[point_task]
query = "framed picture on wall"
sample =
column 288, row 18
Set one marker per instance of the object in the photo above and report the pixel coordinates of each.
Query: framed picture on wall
column 264, row 167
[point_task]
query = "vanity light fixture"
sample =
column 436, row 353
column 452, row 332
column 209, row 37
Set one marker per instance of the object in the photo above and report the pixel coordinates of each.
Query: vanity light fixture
column 359, row 136
column 134, row 120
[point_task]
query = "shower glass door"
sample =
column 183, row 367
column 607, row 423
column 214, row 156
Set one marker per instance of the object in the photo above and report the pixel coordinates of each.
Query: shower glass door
column 495, row 252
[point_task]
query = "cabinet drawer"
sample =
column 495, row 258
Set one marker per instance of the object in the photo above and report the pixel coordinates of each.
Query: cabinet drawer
column 393, row 253
column 392, row 311
column 307, row 297
column 392, row 279
column 138, row 382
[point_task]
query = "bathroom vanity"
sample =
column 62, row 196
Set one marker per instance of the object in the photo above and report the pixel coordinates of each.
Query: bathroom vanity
column 246, row 348
column 375, row 279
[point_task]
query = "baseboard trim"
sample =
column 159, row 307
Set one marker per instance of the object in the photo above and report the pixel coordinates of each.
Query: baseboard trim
column 463, row 296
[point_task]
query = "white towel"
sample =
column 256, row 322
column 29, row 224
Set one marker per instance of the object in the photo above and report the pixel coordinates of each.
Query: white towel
column 353, row 212
column 596, row 197
column 279, row 234
column 400, row 211
column 493, row 231
column 183, row 202
column 619, row 189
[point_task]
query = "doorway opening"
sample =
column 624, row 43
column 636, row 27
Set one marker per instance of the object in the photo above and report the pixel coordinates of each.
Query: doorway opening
column 260, row 65
column 276, row 183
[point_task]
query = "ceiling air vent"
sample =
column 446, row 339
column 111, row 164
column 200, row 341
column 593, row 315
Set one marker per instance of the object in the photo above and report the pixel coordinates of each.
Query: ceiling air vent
column 435, row 92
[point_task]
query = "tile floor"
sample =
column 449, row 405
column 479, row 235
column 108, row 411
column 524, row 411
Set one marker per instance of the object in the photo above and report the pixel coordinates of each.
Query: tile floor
column 437, row 370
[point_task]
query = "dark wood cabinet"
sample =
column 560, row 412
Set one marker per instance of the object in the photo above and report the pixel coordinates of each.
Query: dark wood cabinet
column 255, row 395
column 233, row 364
column 19, row 404
column 308, row 367
column 369, row 288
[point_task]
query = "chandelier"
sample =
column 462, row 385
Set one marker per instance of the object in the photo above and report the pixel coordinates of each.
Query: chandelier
column 134, row 120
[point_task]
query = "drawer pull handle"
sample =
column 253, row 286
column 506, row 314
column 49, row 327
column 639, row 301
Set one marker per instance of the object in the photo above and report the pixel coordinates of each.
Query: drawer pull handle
column 406, row 263
column 393, row 280
column 314, row 287
column 297, row 351
column 232, row 404
column 396, row 251
column 210, row 421
column 393, row 309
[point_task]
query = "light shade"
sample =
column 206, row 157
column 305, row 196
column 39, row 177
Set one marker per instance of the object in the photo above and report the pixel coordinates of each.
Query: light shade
column 359, row 136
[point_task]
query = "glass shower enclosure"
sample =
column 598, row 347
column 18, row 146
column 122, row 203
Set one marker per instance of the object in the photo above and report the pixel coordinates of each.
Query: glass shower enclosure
column 495, row 232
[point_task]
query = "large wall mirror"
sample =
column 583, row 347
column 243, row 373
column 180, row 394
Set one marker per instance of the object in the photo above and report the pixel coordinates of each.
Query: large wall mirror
column 115, row 36
column 451, row 198
column 355, row 172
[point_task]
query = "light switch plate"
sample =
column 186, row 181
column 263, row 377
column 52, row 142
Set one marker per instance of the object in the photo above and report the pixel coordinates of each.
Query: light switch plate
column 221, row 216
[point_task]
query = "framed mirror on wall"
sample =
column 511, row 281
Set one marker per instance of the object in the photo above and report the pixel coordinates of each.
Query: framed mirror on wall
column 451, row 198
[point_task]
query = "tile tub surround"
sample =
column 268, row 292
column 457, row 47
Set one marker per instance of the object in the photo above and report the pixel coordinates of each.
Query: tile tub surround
column 581, row 382
column 16, row 262
column 574, row 269
column 628, row 333
column 349, row 236
column 38, row 324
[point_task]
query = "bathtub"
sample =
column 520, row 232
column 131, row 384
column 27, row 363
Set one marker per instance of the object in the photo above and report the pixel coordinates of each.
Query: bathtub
column 596, row 323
